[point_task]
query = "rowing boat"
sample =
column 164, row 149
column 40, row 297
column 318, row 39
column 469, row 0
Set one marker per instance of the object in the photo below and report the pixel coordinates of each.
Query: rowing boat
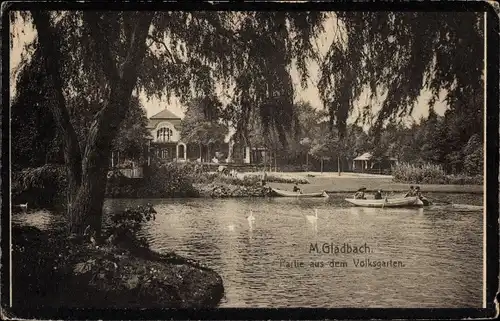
column 387, row 202
column 283, row 193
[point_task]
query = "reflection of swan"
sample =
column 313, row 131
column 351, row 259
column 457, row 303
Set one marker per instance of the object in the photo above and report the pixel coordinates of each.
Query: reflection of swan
column 251, row 218
column 313, row 218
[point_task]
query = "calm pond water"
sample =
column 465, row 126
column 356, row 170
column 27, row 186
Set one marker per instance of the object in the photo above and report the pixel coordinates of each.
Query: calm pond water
column 440, row 248
column 441, row 251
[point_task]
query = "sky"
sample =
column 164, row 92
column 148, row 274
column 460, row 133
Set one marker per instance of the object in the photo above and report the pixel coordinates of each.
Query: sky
column 24, row 34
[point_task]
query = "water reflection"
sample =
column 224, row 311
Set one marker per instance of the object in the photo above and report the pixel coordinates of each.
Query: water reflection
column 439, row 245
column 441, row 251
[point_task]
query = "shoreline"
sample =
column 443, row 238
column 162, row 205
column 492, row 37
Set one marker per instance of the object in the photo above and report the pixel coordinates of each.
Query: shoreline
column 76, row 274
column 238, row 191
column 341, row 184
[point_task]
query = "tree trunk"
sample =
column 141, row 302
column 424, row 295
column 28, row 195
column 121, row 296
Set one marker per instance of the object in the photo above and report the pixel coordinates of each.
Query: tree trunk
column 275, row 162
column 86, row 195
column 321, row 165
column 338, row 165
column 87, row 206
column 230, row 152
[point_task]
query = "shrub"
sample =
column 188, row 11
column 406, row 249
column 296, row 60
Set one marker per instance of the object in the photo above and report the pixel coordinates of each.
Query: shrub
column 419, row 174
column 293, row 167
column 168, row 180
column 465, row 180
column 42, row 187
column 473, row 162
column 290, row 180
column 159, row 181
column 430, row 174
column 204, row 178
column 307, row 168
column 247, row 180
column 125, row 226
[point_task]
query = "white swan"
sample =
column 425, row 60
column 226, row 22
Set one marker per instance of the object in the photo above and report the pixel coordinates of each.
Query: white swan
column 231, row 227
column 23, row 206
column 313, row 218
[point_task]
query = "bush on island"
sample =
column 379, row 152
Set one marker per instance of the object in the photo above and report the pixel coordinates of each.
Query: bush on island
column 430, row 174
column 125, row 226
column 159, row 181
column 40, row 187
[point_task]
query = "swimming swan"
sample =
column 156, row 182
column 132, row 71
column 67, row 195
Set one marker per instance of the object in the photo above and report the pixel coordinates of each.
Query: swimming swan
column 22, row 206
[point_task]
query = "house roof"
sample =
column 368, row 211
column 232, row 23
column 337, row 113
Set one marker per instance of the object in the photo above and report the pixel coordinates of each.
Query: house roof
column 365, row 156
column 165, row 114
column 368, row 156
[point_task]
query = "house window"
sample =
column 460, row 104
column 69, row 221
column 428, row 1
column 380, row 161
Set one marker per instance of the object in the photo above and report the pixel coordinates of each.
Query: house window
column 164, row 134
column 181, row 151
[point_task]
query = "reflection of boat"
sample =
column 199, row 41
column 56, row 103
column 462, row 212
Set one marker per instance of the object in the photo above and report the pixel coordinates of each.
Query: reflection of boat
column 425, row 201
column 282, row 193
column 387, row 202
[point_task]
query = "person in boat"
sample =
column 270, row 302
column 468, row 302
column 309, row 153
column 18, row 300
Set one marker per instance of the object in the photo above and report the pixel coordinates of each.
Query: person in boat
column 360, row 194
column 296, row 189
column 378, row 194
column 417, row 192
column 411, row 192
column 424, row 200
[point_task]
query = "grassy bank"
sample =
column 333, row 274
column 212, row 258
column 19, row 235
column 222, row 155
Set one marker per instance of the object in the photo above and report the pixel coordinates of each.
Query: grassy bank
column 350, row 182
column 54, row 270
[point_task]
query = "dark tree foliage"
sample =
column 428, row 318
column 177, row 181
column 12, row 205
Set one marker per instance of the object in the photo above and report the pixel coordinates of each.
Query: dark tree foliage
column 398, row 54
column 202, row 122
column 34, row 134
column 132, row 135
column 35, row 139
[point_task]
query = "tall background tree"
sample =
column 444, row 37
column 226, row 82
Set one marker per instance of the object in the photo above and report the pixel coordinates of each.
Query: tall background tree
column 203, row 123
column 133, row 135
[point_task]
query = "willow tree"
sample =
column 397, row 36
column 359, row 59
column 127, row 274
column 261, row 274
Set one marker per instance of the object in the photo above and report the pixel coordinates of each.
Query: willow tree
column 394, row 55
column 104, row 56
column 202, row 124
column 270, row 43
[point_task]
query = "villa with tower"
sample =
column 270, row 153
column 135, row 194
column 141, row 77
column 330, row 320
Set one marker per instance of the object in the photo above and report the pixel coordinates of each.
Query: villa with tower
column 166, row 143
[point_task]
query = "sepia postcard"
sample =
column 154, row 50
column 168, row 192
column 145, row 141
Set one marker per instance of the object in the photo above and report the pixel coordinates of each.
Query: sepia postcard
column 249, row 161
